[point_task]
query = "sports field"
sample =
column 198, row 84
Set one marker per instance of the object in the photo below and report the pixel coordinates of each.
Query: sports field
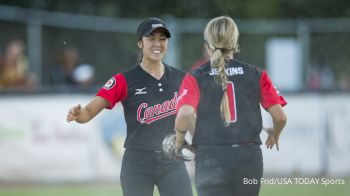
column 115, row 190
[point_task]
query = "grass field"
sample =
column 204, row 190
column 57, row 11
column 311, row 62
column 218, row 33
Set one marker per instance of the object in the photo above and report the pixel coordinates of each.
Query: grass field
column 115, row 190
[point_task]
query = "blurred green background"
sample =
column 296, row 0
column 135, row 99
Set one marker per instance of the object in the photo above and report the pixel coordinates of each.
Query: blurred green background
column 322, row 27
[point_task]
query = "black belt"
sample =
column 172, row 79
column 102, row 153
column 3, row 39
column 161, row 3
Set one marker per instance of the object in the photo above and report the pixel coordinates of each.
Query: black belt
column 143, row 150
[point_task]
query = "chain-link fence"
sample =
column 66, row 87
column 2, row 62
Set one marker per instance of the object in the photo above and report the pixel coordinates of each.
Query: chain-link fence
column 109, row 44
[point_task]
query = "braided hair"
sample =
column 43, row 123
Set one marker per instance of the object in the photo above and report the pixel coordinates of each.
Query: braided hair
column 221, row 35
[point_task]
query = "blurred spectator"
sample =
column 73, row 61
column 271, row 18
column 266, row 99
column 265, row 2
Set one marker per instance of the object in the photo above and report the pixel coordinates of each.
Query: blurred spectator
column 327, row 78
column 69, row 72
column 313, row 79
column 14, row 68
column 344, row 80
column 84, row 75
column 320, row 77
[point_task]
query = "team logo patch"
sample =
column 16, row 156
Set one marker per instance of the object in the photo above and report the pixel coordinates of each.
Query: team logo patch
column 109, row 84
column 140, row 91
column 157, row 25
column 148, row 114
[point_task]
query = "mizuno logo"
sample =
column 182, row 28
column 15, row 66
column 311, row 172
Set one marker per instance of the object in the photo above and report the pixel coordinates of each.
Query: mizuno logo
column 140, row 91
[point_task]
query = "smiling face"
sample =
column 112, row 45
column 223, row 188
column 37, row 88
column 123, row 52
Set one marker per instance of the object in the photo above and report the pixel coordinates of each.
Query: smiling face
column 155, row 46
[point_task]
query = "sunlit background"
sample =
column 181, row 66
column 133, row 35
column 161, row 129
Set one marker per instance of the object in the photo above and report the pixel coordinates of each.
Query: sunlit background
column 55, row 54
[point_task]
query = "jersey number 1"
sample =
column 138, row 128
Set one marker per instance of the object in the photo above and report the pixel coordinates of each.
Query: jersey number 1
column 232, row 101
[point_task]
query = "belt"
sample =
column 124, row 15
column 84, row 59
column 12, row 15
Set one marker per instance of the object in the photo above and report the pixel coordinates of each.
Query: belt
column 143, row 150
column 244, row 144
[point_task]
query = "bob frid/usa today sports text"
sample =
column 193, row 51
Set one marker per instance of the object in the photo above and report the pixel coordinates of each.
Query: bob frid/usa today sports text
column 296, row 180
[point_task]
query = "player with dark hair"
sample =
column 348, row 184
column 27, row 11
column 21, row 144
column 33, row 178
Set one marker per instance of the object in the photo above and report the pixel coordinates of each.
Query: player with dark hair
column 220, row 104
column 148, row 93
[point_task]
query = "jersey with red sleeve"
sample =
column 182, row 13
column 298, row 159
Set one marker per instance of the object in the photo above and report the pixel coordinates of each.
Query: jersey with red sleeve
column 247, row 88
column 149, row 104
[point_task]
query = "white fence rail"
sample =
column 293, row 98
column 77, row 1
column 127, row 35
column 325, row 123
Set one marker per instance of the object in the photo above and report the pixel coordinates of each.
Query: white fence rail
column 37, row 144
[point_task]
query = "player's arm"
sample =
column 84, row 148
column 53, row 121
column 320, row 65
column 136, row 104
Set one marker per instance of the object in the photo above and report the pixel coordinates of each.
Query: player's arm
column 273, row 103
column 88, row 112
column 185, row 121
column 186, row 108
column 187, row 102
column 279, row 119
column 112, row 92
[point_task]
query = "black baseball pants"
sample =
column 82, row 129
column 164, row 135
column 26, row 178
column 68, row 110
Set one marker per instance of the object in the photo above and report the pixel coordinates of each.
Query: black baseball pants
column 228, row 170
column 142, row 170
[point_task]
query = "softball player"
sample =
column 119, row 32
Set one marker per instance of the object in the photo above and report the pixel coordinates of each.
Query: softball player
column 223, row 98
column 148, row 93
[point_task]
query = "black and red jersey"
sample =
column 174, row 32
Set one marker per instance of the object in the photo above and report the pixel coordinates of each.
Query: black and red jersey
column 149, row 104
column 247, row 88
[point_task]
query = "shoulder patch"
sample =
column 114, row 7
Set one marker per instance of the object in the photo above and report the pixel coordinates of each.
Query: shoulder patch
column 110, row 83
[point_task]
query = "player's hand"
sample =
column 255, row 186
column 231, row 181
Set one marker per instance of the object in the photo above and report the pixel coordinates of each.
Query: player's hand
column 189, row 147
column 184, row 145
column 272, row 138
column 73, row 113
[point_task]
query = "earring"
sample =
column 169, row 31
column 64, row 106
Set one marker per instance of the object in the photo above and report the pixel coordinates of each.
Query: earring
column 139, row 43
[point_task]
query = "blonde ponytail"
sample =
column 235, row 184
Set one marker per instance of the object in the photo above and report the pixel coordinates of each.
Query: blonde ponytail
column 221, row 35
column 218, row 62
column 225, row 110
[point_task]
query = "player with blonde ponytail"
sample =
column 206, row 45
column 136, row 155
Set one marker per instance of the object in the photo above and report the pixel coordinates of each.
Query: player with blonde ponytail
column 219, row 103
column 223, row 47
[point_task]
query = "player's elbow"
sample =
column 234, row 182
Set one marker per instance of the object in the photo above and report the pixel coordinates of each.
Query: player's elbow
column 185, row 117
column 186, row 112
column 278, row 115
column 280, row 119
